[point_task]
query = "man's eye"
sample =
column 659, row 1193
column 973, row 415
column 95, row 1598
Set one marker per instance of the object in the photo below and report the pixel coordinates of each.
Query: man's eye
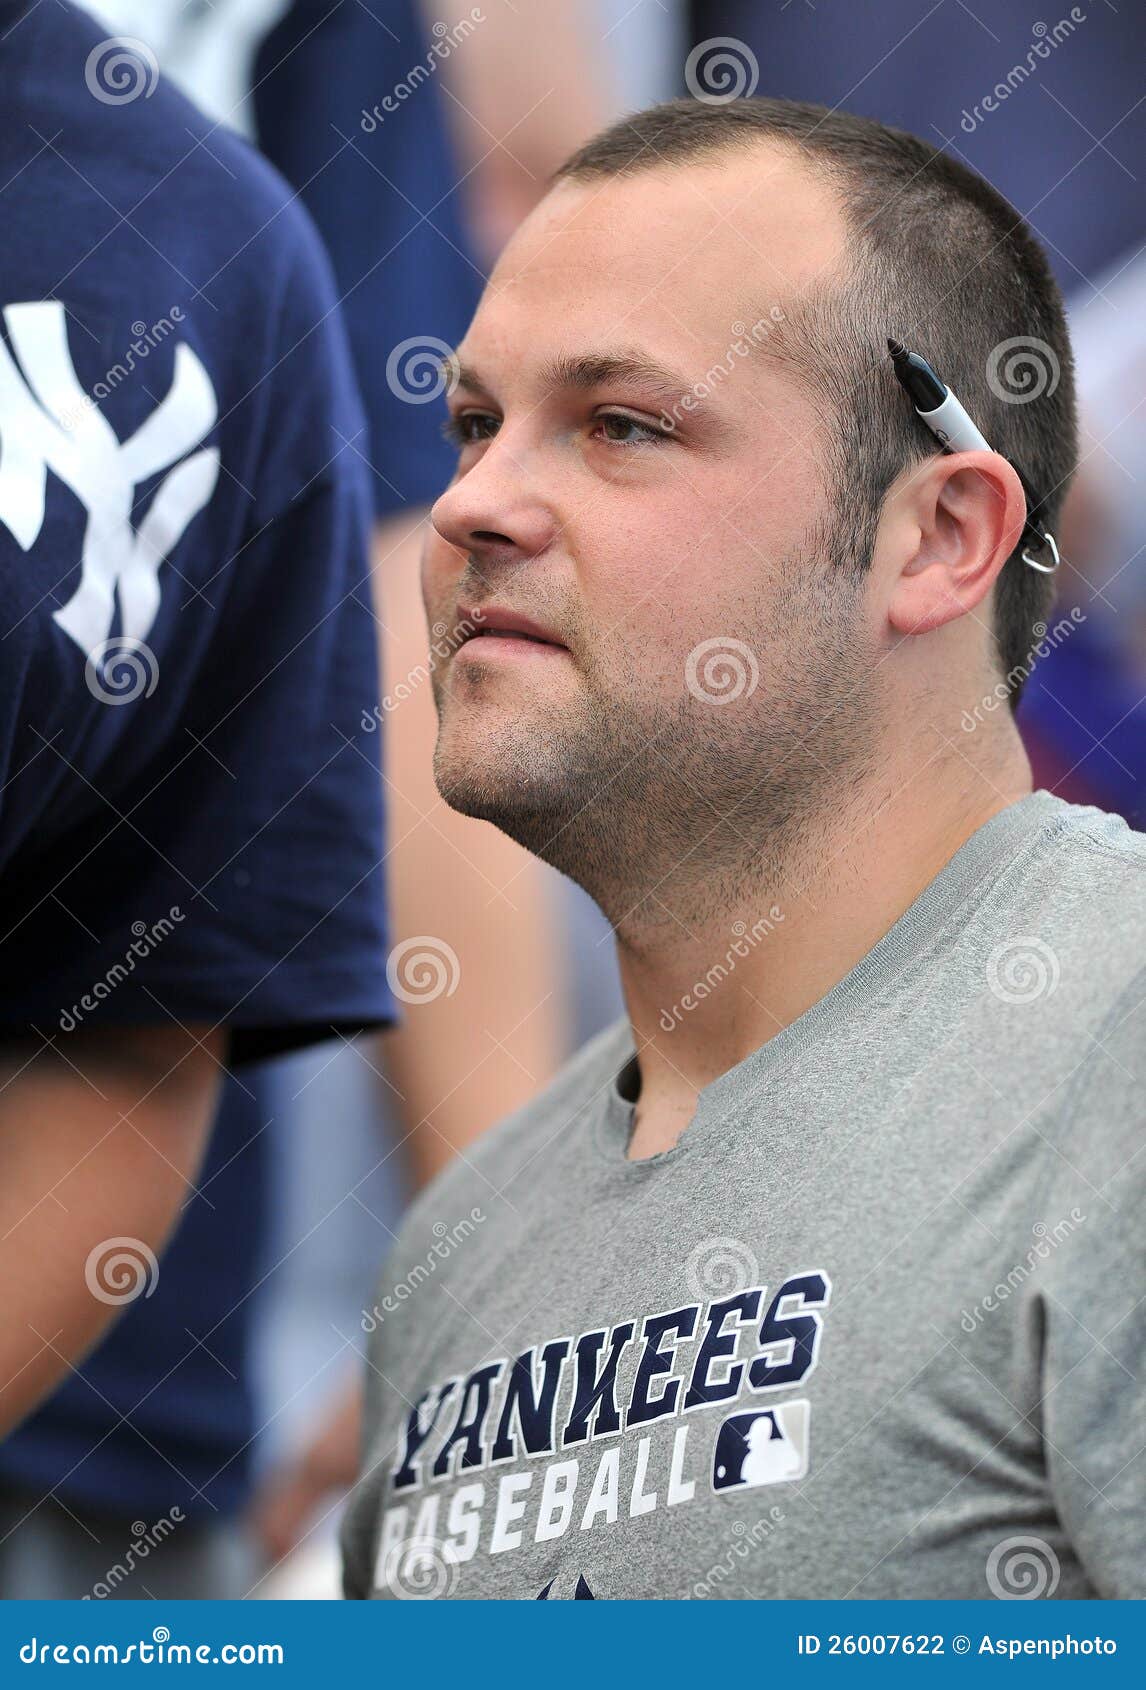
column 646, row 434
column 468, row 428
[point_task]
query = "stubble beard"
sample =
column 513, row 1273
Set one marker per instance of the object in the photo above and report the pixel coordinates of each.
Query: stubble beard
column 669, row 811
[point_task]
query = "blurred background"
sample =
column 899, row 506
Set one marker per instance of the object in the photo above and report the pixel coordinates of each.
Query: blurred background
column 204, row 1448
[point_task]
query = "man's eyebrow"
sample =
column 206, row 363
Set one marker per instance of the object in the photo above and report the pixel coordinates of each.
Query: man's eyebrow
column 586, row 370
column 599, row 369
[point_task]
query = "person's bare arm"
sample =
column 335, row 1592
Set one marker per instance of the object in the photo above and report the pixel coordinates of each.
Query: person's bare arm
column 525, row 87
column 99, row 1140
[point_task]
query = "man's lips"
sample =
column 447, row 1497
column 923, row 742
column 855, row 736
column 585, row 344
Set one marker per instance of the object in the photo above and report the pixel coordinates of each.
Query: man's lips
column 496, row 631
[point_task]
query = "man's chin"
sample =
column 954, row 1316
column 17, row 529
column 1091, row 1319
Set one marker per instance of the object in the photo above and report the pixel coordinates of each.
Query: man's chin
column 536, row 770
column 483, row 779
column 506, row 783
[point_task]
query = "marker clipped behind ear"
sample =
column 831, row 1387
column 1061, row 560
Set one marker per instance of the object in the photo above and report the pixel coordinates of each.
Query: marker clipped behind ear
column 937, row 406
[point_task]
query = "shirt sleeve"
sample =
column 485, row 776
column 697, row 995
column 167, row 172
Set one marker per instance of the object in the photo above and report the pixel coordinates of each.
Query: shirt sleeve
column 236, row 877
column 1094, row 1308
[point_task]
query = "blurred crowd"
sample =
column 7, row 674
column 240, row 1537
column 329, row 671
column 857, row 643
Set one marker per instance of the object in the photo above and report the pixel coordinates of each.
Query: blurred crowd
column 218, row 1419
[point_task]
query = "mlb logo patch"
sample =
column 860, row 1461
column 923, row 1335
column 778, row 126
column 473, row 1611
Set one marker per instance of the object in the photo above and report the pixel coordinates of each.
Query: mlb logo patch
column 764, row 1448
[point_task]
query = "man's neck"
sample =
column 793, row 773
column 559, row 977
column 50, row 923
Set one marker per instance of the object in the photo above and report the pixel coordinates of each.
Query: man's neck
column 705, row 991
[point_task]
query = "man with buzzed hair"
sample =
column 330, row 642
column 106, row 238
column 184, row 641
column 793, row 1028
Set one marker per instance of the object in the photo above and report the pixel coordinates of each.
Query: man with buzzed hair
column 740, row 648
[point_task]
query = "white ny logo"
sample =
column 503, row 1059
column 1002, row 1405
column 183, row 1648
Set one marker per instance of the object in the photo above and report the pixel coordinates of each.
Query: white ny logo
column 48, row 422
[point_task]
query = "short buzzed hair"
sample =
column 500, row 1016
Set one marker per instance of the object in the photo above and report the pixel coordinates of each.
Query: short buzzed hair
column 939, row 260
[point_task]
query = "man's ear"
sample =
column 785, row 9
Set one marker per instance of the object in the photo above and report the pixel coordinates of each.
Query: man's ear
column 953, row 523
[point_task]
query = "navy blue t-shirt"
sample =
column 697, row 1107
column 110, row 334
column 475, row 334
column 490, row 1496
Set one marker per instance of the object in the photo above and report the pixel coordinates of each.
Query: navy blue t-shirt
column 386, row 196
column 190, row 816
column 162, row 1412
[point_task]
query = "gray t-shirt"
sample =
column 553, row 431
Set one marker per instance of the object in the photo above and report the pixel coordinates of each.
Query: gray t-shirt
column 875, row 1327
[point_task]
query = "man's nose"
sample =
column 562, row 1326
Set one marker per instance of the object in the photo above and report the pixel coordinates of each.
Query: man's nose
column 496, row 512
